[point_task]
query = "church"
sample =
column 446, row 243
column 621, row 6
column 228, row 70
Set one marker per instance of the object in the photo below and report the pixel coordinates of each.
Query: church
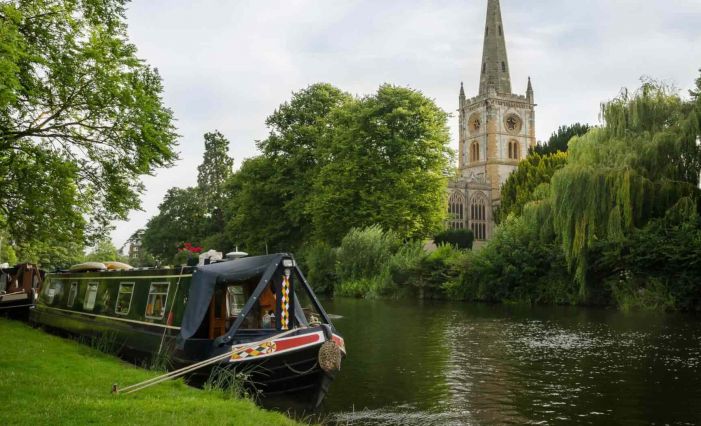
column 497, row 128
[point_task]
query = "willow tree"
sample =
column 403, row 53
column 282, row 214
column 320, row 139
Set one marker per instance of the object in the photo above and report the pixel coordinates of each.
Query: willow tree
column 641, row 162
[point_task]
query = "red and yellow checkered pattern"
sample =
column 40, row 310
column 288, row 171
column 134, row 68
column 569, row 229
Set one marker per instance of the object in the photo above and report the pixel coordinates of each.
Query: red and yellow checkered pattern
column 262, row 349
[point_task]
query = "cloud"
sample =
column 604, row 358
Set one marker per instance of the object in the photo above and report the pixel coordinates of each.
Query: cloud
column 227, row 65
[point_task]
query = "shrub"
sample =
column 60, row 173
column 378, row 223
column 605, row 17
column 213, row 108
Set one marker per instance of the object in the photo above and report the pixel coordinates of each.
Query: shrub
column 318, row 262
column 460, row 238
column 365, row 252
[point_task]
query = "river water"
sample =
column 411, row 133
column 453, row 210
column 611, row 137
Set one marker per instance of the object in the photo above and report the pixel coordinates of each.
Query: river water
column 436, row 363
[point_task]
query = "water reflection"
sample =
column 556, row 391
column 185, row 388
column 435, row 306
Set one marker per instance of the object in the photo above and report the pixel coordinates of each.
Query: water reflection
column 440, row 363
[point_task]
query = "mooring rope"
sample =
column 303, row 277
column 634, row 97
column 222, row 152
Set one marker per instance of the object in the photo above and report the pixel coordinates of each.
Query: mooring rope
column 187, row 369
column 301, row 373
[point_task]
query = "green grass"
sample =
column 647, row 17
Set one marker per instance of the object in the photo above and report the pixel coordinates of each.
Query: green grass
column 45, row 379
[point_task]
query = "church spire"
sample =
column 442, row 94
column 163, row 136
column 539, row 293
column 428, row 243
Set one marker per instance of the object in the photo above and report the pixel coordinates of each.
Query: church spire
column 495, row 64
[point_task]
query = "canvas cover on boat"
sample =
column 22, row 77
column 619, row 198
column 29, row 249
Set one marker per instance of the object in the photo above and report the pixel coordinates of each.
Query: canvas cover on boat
column 205, row 277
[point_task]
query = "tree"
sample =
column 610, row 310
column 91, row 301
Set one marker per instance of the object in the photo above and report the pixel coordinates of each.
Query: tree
column 387, row 164
column 216, row 168
column 632, row 170
column 269, row 196
column 105, row 251
column 81, row 116
column 560, row 139
column 256, row 218
column 519, row 188
column 181, row 217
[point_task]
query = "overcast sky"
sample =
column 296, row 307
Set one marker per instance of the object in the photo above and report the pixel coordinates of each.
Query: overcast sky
column 228, row 64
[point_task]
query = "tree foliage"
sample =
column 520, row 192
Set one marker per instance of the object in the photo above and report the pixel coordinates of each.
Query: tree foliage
column 181, row 217
column 520, row 187
column 638, row 165
column 81, row 117
column 216, row 168
column 332, row 162
column 270, row 195
column 559, row 141
column 390, row 161
column 460, row 238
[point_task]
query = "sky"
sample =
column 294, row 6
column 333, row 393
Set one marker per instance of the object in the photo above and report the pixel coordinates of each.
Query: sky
column 228, row 64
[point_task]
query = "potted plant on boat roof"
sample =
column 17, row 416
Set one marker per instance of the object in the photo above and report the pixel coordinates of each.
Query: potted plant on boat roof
column 187, row 255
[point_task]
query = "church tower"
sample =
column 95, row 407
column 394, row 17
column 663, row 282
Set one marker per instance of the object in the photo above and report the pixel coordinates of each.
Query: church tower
column 496, row 130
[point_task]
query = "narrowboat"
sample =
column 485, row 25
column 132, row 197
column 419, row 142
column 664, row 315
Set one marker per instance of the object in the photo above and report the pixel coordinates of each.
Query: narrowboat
column 260, row 310
column 19, row 286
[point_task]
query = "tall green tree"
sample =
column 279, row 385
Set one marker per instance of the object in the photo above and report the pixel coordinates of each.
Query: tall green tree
column 80, row 114
column 216, row 168
column 387, row 165
column 270, row 195
column 257, row 221
column 559, row 141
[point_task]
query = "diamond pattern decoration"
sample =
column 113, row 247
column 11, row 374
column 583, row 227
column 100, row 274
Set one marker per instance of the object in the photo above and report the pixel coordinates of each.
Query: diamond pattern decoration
column 285, row 303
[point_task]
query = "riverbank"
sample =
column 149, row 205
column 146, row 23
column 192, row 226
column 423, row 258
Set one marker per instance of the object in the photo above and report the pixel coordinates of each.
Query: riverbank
column 47, row 379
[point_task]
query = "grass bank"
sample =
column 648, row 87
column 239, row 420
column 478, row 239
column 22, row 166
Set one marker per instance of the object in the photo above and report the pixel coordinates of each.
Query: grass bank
column 45, row 379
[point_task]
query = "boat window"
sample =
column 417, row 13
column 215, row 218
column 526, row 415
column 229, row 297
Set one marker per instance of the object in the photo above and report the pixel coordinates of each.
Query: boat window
column 90, row 296
column 304, row 299
column 157, row 298
column 72, row 293
column 262, row 314
column 126, row 291
column 53, row 292
column 234, row 300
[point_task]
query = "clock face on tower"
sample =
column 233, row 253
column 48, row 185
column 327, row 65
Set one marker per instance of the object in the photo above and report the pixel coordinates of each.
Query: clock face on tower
column 475, row 123
column 512, row 122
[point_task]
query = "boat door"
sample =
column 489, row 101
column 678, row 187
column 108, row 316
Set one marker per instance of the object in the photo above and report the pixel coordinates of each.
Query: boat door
column 224, row 307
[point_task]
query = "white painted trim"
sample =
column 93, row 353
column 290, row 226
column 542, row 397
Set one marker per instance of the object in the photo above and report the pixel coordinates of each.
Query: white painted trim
column 113, row 318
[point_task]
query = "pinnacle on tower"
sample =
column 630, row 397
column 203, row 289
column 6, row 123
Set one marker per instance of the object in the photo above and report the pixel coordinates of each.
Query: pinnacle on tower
column 529, row 91
column 495, row 64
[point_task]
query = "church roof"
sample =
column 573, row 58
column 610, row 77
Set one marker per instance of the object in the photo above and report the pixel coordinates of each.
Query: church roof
column 495, row 63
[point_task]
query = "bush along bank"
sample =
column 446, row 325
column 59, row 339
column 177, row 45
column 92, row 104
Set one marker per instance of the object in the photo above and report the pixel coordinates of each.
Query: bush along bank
column 371, row 263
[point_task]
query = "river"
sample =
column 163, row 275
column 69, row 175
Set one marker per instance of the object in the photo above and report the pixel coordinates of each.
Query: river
column 438, row 363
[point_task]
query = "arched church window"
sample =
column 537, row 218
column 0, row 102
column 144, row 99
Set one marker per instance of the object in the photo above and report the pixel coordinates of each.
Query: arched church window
column 456, row 211
column 475, row 152
column 513, row 150
column 478, row 216
column 486, row 31
column 503, row 66
column 500, row 33
column 484, row 67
